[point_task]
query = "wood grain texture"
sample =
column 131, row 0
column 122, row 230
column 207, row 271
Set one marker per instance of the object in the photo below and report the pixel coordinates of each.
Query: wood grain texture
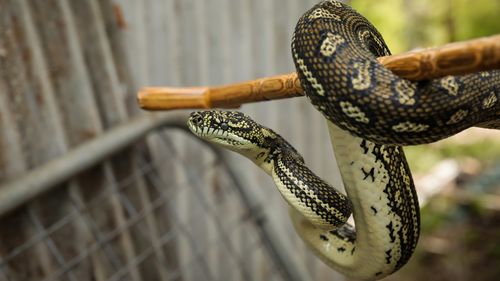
column 227, row 96
column 451, row 59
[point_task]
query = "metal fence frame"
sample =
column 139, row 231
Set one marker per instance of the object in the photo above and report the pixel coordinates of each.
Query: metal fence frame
column 42, row 179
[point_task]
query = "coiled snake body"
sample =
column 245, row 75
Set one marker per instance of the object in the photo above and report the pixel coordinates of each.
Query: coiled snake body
column 370, row 112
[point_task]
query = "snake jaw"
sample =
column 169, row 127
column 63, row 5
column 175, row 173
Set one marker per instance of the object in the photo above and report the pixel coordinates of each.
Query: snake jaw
column 214, row 127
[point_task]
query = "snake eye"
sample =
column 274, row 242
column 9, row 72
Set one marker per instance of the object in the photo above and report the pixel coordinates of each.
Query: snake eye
column 224, row 126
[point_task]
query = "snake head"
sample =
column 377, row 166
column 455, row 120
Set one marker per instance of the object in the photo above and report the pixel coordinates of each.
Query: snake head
column 231, row 129
column 238, row 132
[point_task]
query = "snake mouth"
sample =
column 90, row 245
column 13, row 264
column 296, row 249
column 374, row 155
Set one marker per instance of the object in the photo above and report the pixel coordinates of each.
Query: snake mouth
column 223, row 136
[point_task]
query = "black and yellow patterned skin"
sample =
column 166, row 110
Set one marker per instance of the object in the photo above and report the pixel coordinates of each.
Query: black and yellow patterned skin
column 380, row 193
column 370, row 113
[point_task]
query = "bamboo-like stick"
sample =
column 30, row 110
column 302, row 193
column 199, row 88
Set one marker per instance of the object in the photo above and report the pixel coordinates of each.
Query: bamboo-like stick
column 451, row 59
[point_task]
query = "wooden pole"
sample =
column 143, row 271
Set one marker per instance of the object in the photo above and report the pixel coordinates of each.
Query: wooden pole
column 451, row 59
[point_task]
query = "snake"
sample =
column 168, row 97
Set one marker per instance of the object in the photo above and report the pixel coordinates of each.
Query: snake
column 371, row 114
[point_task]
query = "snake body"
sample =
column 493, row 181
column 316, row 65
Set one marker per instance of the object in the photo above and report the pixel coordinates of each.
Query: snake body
column 335, row 49
column 370, row 112
column 379, row 187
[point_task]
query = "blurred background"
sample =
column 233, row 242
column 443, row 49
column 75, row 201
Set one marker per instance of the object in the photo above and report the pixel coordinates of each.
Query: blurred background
column 92, row 188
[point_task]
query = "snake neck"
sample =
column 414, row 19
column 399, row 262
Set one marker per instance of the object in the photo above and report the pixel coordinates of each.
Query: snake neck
column 317, row 201
column 262, row 157
column 272, row 152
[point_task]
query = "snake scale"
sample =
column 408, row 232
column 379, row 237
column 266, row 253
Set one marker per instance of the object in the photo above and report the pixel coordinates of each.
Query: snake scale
column 370, row 113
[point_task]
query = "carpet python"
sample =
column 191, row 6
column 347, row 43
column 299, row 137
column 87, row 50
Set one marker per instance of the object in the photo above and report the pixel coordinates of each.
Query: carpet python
column 370, row 113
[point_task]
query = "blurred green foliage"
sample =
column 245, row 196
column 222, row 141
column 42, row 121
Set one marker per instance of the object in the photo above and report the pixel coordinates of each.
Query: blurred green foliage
column 409, row 24
column 423, row 157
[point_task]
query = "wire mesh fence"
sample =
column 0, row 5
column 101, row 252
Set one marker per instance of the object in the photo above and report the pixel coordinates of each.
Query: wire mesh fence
column 192, row 229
